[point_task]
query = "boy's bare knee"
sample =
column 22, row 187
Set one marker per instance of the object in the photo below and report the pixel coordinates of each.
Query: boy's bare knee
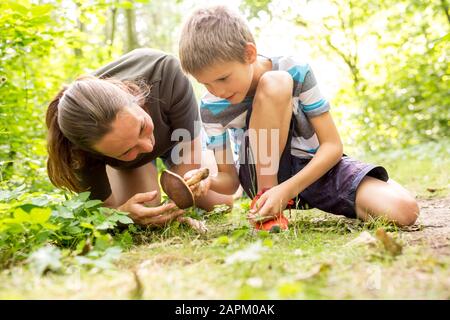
column 275, row 87
column 408, row 211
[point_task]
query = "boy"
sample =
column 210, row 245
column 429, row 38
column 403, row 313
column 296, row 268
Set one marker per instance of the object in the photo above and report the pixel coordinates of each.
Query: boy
column 288, row 144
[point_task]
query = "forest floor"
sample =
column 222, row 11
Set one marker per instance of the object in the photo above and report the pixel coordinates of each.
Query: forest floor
column 434, row 220
column 321, row 257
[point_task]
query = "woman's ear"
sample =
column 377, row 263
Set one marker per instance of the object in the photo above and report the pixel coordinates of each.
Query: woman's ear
column 250, row 53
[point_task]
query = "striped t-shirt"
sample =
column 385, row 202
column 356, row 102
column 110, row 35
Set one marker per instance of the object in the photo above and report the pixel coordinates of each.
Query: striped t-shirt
column 225, row 122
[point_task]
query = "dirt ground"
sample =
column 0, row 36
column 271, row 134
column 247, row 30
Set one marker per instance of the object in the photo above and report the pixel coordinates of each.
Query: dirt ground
column 433, row 226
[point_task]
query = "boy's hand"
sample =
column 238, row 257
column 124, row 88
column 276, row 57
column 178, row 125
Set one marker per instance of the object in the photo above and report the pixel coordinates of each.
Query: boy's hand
column 201, row 188
column 270, row 204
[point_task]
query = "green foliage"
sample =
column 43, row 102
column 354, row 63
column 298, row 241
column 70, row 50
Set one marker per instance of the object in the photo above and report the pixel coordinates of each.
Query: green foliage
column 393, row 64
column 26, row 36
column 400, row 96
column 40, row 50
column 37, row 226
column 254, row 7
column 316, row 259
column 394, row 98
column 411, row 103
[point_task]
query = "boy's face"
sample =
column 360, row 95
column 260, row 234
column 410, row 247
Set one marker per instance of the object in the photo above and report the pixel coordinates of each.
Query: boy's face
column 228, row 80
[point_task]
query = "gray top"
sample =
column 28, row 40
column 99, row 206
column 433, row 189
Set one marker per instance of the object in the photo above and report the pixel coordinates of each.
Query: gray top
column 171, row 105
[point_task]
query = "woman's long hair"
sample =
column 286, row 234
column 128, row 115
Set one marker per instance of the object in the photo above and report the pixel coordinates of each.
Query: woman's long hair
column 78, row 117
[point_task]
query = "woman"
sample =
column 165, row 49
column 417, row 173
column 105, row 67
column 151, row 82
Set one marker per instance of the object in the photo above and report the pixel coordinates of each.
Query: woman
column 105, row 132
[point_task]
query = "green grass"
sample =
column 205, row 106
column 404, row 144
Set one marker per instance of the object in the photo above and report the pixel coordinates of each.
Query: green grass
column 310, row 261
column 423, row 169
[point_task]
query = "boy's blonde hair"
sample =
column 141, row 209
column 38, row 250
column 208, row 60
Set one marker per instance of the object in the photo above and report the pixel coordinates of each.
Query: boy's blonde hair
column 213, row 34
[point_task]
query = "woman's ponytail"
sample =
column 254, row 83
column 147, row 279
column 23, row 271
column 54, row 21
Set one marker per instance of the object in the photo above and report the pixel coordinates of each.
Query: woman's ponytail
column 63, row 158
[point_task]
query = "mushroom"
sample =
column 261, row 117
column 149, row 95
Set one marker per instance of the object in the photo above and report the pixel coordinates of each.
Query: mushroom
column 178, row 189
column 180, row 193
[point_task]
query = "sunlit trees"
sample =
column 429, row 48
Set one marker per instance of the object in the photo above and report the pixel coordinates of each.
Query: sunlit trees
column 394, row 89
column 392, row 57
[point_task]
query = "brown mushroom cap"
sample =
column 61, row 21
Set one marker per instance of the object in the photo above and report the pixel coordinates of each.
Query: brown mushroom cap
column 177, row 189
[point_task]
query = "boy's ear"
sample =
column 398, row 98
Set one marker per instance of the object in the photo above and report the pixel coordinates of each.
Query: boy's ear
column 250, row 53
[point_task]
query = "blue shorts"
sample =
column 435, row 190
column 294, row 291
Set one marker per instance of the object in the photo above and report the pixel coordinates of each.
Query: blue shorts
column 334, row 192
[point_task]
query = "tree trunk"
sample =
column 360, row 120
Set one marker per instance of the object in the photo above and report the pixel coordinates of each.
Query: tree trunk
column 112, row 31
column 77, row 50
column 131, row 41
column 445, row 8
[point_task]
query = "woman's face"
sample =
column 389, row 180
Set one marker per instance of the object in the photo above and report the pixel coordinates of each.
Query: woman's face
column 131, row 135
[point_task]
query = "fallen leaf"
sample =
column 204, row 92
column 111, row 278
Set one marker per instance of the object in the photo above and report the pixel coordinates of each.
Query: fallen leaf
column 365, row 238
column 315, row 271
column 392, row 246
